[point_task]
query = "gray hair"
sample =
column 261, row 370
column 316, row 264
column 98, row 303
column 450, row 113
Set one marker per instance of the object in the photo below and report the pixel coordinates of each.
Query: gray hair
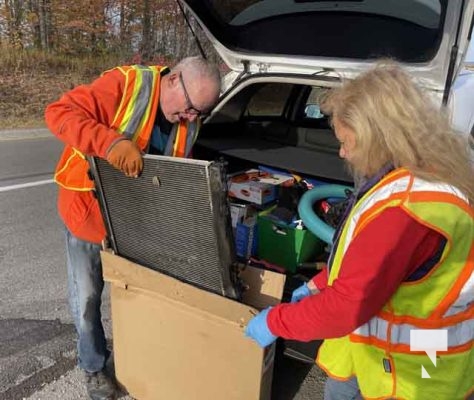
column 198, row 68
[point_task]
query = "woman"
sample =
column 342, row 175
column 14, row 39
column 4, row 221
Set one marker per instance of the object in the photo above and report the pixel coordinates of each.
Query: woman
column 403, row 257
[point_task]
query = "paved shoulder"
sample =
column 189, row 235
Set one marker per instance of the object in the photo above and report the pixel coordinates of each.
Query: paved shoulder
column 18, row 134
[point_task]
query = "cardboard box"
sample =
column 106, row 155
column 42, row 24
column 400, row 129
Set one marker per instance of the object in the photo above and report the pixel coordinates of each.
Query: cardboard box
column 256, row 186
column 175, row 341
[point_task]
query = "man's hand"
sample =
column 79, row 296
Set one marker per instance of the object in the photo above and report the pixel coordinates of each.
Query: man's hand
column 126, row 156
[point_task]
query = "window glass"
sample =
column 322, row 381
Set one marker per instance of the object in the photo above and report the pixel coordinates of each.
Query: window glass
column 312, row 109
column 269, row 100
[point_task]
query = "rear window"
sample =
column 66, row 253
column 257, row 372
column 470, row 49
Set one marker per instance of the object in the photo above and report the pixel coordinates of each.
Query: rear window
column 312, row 109
column 269, row 100
column 407, row 30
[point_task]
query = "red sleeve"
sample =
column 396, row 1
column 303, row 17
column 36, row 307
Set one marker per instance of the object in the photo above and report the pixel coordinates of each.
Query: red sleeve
column 321, row 279
column 81, row 118
column 379, row 258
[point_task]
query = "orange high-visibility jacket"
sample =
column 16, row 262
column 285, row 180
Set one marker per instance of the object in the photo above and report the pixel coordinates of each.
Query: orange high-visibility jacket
column 88, row 119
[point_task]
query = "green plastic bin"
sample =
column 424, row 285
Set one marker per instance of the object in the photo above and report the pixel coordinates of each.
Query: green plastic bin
column 284, row 245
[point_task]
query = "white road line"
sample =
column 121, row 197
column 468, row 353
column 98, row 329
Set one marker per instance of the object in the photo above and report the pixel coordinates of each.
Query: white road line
column 13, row 138
column 25, row 185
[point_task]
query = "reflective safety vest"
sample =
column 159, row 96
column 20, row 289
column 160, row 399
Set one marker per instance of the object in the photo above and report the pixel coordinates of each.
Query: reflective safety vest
column 134, row 119
column 378, row 352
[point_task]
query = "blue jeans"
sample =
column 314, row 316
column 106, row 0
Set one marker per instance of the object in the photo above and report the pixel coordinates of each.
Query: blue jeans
column 342, row 390
column 85, row 284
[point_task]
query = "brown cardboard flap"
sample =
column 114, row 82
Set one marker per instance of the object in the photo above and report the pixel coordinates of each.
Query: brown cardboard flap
column 163, row 350
column 175, row 341
column 264, row 287
column 131, row 276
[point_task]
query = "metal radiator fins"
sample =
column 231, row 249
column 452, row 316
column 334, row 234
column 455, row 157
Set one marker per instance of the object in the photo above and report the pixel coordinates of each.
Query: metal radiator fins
column 174, row 219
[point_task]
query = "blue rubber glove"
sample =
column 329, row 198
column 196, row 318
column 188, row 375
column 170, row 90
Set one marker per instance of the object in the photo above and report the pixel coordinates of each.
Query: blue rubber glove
column 257, row 329
column 300, row 293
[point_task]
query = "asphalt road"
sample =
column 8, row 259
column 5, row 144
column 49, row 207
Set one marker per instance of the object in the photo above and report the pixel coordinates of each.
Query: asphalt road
column 37, row 339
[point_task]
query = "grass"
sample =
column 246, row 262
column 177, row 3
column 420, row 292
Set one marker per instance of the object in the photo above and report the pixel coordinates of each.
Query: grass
column 29, row 80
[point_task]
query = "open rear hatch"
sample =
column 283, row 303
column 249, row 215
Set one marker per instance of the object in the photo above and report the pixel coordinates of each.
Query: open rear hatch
column 429, row 37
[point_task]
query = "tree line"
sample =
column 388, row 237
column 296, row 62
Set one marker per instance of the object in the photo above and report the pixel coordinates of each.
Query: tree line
column 142, row 27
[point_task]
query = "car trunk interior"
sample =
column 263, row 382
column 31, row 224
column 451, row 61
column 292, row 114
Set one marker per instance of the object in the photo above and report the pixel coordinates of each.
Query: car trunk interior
column 302, row 150
column 276, row 135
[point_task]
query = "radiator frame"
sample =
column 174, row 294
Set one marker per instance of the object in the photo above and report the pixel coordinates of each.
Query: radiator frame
column 214, row 175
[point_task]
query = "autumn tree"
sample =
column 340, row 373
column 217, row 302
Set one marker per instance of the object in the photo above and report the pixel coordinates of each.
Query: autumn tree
column 146, row 28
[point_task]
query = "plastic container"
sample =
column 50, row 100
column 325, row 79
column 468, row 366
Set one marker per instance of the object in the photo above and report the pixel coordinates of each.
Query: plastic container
column 284, row 245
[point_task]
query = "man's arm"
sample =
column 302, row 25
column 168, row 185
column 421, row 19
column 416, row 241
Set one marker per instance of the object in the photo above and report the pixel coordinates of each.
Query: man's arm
column 81, row 118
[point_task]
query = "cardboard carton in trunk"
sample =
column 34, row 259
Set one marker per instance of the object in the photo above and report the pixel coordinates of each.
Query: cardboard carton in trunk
column 175, row 341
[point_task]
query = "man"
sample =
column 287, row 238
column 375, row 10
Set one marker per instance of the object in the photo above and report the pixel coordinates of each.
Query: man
column 403, row 256
column 127, row 111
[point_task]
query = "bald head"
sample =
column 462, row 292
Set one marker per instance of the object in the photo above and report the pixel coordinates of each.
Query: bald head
column 192, row 84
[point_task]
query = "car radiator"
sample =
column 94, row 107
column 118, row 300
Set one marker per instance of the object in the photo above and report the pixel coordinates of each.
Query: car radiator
column 174, row 219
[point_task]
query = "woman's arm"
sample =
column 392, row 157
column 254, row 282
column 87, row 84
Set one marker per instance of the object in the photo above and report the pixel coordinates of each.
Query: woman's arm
column 379, row 258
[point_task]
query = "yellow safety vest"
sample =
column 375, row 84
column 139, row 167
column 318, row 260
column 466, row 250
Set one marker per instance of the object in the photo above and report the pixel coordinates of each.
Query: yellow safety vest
column 378, row 352
column 134, row 118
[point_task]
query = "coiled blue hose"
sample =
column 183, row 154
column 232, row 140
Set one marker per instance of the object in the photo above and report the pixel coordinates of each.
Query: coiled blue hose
column 310, row 219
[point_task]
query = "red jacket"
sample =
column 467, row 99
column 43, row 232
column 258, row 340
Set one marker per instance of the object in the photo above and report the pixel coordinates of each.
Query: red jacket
column 81, row 118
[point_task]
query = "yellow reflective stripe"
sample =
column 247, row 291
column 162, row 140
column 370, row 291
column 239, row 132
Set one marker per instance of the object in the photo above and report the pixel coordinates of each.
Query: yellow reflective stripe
column 175, row 144
column 66, row 164
column 65, row 167
column 347, row 233
column 111, row 69
column 458, row 334
column 155, row 72
column 79, row 153
column 376, row 194
column 122, row 100
column 123, row 71
column 136, row 112
column 131, row 105
column 146, row 115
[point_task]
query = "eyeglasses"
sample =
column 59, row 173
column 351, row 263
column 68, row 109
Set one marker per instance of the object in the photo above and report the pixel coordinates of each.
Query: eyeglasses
column 191, row 110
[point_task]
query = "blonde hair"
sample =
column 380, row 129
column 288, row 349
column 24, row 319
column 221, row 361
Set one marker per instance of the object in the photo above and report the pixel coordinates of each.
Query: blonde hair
column 395, row 122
